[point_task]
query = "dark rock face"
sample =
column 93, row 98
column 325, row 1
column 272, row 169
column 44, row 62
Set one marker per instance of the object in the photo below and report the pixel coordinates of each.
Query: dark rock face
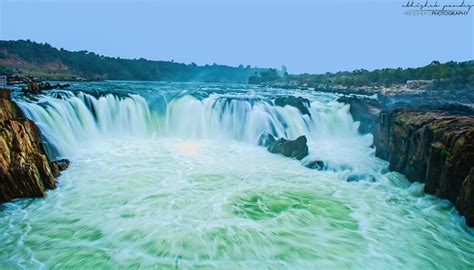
column 298, row 102
column 5, row 93
column 295, row 149
column 25, row 170
column 429, row 142
column 61, row 164
column 364, row 110
column 316, row 165
column 432, row 147
column 266, row 140
column 465, row 200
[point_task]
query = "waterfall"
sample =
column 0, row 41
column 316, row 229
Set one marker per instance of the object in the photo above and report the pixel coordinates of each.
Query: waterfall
column 78, row 117
column 176, row 174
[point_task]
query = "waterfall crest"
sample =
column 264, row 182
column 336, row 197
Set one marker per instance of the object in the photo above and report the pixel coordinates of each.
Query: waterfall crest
column 78, row 117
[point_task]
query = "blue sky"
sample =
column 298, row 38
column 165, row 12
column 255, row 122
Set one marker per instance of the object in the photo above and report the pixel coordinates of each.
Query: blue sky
column 306, row 36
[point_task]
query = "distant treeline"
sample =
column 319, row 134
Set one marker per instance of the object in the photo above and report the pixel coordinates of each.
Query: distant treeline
column 450, row 75
column 43, row 59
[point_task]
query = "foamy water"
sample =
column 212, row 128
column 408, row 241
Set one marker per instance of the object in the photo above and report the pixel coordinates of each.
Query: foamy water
column 184, row 185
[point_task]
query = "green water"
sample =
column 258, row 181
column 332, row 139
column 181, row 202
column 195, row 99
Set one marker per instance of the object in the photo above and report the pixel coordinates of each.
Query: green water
column 126, row 204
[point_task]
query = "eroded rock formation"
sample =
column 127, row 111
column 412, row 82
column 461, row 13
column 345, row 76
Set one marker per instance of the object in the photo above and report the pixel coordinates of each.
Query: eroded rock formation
column 432, row 147
column 290, row 148
column 366, row 111
column 25, row 170
column 300, row 103
column 428, row 143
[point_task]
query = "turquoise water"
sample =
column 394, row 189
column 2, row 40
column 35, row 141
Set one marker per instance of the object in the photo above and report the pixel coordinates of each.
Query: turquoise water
column 172, row 178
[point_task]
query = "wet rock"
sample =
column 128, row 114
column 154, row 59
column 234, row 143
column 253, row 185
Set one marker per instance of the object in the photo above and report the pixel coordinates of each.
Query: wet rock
column 25, row 170
column 361, row 177
column 24, row 167
column 465, row 200
column 316, row 165
column 298, row 102
column 62, row 86
column 266, row 139
column 35, row 86
column 364, row 110
column 295, row 149
column 8, row 110
column 429, row 141
column 31, row 97
column 435, row 147
column 321, row 165
column 5, row 93
column 62, row 164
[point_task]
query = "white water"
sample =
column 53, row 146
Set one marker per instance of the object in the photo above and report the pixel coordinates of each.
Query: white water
column 183, row 183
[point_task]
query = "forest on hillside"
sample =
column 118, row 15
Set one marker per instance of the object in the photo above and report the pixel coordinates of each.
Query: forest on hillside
column 41, row 58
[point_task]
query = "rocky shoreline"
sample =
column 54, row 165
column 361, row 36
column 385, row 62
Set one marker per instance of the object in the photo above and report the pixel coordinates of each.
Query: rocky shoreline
column 428, row 143
column 31, row 85
column 25, row 170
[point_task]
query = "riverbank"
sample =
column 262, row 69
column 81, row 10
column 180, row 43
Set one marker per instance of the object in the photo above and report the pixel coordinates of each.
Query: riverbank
column 430, row 143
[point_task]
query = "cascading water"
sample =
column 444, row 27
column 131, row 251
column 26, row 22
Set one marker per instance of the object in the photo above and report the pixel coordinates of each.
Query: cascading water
column 75, row 118
column 65, row 123
column 172, row 177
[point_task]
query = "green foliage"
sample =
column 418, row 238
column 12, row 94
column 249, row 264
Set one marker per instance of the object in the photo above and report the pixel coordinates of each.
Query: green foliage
column 90, row 65
column 269, row 75
column 447, row 152
column 447, row 76
column 7, row 70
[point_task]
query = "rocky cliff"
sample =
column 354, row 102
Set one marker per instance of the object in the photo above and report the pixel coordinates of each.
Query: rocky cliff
column 431, row 144
column 435, row 148
column 25, row 170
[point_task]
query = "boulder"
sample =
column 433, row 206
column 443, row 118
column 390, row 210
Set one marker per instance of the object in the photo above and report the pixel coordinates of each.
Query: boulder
column 62, row 164
column 321, row 165
column 62, row 86
column 361, row 177
column 35, row 86
column 300, row 103
column 316, row 165
column 295, row 149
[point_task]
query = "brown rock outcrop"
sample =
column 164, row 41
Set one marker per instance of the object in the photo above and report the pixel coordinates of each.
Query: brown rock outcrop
column 465, row 200
column 25, row 170
column 432, row 143
column 432, row 147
